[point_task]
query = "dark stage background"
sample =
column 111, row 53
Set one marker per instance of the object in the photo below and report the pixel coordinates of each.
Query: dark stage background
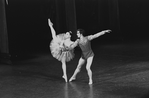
column 28, row 29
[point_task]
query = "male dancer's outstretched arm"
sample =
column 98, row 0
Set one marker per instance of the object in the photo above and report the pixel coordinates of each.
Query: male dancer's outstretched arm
column 91, row 37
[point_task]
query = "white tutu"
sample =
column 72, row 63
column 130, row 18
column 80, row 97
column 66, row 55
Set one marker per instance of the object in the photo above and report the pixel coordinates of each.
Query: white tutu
column 61, row 52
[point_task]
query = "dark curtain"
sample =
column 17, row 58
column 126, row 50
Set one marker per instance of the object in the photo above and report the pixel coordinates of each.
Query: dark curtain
column 71, row 22
column 114, row 19
column 3, row 29
column 28, row 29
column 4, row 49
column 98, row 15
column 134, row 19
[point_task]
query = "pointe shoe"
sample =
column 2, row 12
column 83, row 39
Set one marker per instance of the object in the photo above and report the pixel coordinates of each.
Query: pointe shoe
column 71, row 79
column 65, row 78
column 90, row 82
column 50, row 23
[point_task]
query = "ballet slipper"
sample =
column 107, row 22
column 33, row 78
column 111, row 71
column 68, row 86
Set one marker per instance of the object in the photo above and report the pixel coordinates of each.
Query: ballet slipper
column 90, row 82
column 71, row 79
column 65, row 78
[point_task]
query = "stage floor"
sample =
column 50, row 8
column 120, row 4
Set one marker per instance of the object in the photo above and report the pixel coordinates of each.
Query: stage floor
column 119, row 71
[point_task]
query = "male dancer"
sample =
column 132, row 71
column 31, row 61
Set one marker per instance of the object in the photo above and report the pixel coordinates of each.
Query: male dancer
column 87, row 53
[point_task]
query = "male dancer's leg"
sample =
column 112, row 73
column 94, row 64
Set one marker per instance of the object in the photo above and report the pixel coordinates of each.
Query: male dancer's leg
column 88, row 68
column 80, row 63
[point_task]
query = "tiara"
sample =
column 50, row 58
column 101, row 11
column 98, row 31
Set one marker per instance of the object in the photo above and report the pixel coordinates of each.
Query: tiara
column 70, row 32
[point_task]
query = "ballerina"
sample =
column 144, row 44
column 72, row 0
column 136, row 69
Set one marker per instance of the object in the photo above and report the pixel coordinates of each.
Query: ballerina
column 87, row 53
column 62, row 48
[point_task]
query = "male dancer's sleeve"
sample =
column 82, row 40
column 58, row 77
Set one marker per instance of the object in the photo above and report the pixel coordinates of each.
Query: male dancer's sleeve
column 74, row 44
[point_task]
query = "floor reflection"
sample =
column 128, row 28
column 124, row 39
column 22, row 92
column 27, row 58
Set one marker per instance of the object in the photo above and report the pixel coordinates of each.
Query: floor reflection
column 74, row 90
column 66, row 90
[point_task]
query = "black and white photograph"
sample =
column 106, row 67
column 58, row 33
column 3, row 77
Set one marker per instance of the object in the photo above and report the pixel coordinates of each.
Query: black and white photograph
column 74, row 48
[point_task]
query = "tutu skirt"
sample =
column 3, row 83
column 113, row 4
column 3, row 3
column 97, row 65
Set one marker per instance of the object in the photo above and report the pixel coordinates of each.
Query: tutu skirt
column 61, row 53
